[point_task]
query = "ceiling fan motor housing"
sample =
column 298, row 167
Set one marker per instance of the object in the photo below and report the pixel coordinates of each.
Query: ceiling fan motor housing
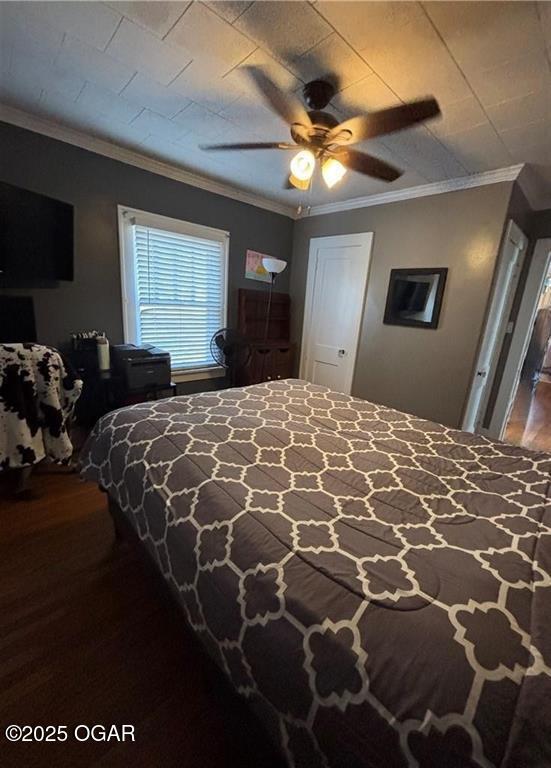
column 322, row 123
column 318, row 93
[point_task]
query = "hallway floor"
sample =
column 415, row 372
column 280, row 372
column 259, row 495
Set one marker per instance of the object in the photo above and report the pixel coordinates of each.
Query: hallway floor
column 530, row 422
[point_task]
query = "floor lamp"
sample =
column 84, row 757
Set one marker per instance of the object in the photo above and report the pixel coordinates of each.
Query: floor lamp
column 274, row 267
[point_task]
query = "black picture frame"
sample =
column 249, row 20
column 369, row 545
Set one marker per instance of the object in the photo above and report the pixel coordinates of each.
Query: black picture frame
column 420, row 306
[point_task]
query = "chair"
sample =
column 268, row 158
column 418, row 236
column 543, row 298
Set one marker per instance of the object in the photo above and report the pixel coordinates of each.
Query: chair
column 38, row 393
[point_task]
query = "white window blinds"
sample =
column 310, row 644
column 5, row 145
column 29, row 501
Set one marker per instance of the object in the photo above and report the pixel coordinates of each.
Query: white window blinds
column 176, row 289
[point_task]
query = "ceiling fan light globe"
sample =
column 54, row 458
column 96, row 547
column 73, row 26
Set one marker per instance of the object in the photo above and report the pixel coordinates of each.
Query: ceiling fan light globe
column 332, row 171
column 299, row 183
column 302, row 165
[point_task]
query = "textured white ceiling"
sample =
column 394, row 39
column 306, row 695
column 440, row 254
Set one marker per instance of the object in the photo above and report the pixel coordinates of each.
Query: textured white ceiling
column 163, row 78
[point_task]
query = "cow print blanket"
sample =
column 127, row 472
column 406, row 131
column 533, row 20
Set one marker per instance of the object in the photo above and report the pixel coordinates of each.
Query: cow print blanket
column 38, row 392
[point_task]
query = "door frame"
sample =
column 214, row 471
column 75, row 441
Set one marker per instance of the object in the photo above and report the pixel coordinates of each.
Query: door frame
column 496, row 326
column 537, row 272
column 363, row 240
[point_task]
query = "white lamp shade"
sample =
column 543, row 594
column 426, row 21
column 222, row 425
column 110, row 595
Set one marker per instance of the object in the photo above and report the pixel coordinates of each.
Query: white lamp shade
column 303, row 164
column 332, row 171
column 275, row 266
column 299, row 183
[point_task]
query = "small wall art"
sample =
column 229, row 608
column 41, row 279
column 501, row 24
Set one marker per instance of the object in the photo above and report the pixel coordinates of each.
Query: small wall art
column 415, row 297
column 253, row 267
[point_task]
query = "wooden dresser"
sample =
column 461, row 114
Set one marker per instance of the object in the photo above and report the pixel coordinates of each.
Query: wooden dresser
column 272, row 353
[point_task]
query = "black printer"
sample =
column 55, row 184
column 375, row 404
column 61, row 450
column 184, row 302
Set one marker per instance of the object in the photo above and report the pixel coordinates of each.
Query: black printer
column 141, row 367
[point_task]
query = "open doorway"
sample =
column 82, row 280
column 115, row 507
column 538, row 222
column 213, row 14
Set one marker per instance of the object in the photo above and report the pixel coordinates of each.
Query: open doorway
column 501, row 405
column 509, row 267
column 529, row 422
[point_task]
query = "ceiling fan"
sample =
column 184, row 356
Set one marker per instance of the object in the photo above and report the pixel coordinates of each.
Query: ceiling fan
column 320, row 137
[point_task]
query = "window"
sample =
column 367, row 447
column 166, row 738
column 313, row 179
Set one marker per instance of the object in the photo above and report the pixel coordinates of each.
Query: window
column 174, row 286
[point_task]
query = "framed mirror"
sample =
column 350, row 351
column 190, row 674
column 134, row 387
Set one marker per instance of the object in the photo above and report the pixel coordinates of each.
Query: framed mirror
column 415, row 297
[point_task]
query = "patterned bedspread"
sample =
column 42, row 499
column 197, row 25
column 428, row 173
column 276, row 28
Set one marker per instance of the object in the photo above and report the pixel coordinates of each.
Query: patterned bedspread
column 37, row 396
column 378, row 586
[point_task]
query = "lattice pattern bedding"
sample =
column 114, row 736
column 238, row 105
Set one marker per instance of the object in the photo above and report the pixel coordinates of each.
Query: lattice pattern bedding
column 376, row 585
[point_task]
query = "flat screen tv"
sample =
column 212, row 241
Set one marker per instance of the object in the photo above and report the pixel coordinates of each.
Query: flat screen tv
column 36, row 236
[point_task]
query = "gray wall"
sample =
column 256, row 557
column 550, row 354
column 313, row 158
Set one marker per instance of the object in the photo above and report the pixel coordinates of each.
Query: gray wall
column 422, row 371
column 542, row 224
column 520, row 210
column 426, row 372
column 95, row 185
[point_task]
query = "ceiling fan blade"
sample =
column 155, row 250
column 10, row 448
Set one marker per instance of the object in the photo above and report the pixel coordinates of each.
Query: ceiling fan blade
column 251, row 145
column 286, row 105
column 364, row 163
column 384, row 121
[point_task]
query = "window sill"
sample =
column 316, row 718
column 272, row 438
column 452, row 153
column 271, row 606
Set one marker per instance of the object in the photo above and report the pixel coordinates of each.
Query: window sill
column 179, row 376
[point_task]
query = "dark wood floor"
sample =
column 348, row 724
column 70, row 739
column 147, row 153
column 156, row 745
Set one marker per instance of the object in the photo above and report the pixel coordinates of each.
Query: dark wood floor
column 88, row 636
column 530, row 421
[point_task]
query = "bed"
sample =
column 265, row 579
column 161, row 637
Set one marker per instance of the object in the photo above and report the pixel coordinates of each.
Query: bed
column 377, row 586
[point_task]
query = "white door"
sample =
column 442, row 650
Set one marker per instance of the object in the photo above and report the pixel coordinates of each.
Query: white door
column 497, row 326
column 335, row 292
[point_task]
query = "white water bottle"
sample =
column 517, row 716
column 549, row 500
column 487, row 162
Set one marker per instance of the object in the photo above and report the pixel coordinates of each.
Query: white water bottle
column 103, row 353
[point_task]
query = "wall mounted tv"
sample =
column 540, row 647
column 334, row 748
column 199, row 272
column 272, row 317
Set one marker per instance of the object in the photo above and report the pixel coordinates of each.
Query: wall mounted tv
column 36, row 236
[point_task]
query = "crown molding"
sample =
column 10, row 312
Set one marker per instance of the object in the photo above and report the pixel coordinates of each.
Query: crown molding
column 131, row 157
column 425, row 190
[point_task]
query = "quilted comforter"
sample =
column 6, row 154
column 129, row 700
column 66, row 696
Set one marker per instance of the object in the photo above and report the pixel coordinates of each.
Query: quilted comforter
column 378, row 586
column 38, row 393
